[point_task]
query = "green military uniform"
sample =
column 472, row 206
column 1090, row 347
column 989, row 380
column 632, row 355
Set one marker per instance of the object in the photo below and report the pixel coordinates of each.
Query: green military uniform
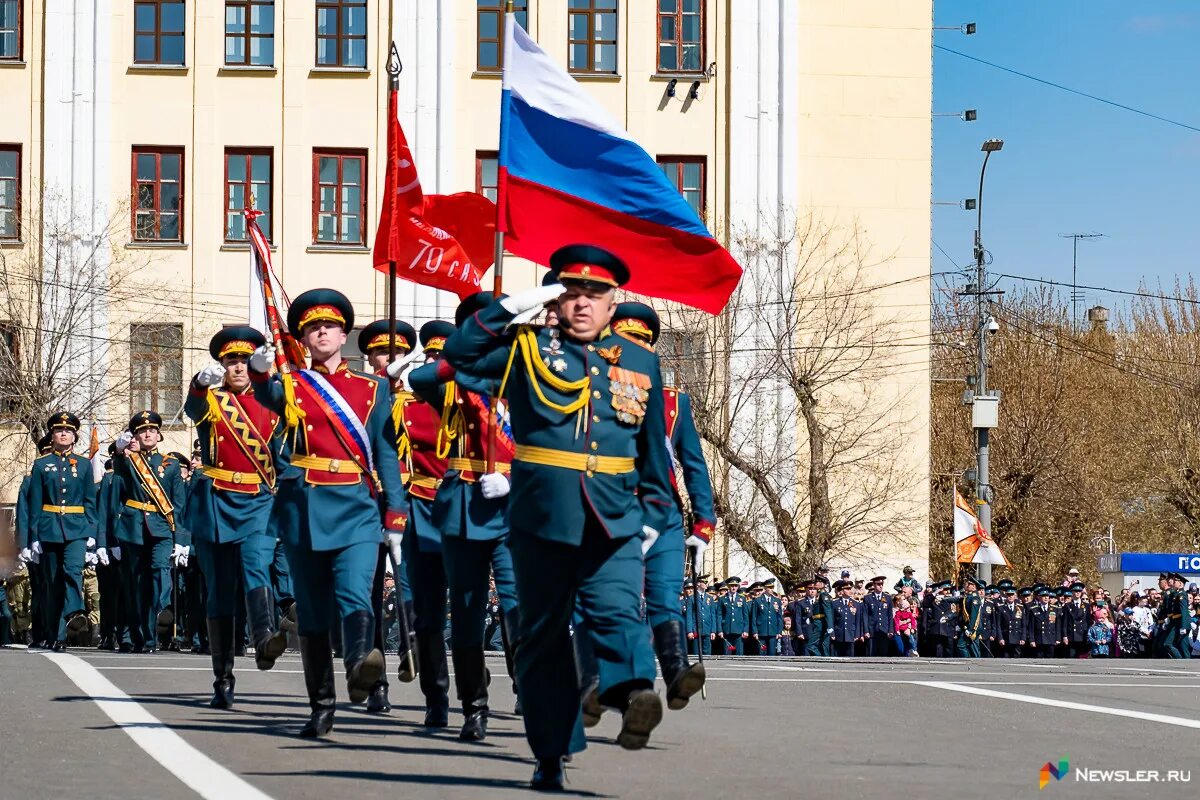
column 589, row 481
column 971, row 620
column 19, row 601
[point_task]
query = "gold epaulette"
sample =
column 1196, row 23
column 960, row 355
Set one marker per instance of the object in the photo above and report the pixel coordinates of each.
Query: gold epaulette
column 636, row 340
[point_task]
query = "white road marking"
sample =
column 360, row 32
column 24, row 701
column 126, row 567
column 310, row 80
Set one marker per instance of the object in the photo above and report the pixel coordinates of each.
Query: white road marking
column 192, row 669
column 193, row 768
column 914, row 682
column 1157, row 669
column 1182, row 722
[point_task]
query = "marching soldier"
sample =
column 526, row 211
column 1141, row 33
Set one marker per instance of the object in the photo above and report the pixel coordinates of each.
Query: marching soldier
column 148, row 499
column 469, row 510
column 230, row 509
column 1042, row 626
column 638, row 323
column 847, row 620
column 878, row 622
column 31, row 553
column 377, row 343
column 417, row 425
column 589, row 493
column 339, row 490
column 62, row 519
column 108, row 575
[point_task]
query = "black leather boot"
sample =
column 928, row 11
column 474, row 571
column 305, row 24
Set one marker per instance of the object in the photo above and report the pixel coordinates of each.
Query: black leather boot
column 588, row 672
column 548, row 775
column 435, row 678
column 510, row 626
column 287, row 615
column 377, row 701
column 470, row 679
column 640, row 715
column 364, row 663
column 269, row 643
column 408, row 667
column 683, row 680
column 316, row 653
column 220, row 639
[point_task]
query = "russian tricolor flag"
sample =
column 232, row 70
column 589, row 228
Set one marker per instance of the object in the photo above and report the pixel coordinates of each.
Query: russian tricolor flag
column 570, row 175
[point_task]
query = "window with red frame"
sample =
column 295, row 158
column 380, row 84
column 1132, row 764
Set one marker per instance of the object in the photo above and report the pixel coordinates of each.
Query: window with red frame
column 247, row 177
column 158, row 194
column 339, row 197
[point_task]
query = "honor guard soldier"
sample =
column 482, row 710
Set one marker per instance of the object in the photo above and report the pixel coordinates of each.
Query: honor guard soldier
column 377, row 342
column 62, row 520
column 1076, row 619
column 1169, row 617
column 1042, row 626
column 879, row 625
column 1183, row 626
column 229, row 510
column 1010, row 623
column 589, row 487
column 418, row 425
column 734, row 618
column 338, row 491
column 971, row 616
column 43, row 629
column 108, row 575
column 847, row 620
column 148, row 502
column 638, row 323
column 820, row 643
column 470, row 511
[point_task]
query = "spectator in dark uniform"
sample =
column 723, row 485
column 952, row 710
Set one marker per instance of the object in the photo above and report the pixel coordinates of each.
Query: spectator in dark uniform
column 847, row 629
column 1042, row 626
column 878, row 625
column 1010, row 625
column 1076, row 621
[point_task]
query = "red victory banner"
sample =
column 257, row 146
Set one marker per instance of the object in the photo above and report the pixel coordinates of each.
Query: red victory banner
column 443, row 241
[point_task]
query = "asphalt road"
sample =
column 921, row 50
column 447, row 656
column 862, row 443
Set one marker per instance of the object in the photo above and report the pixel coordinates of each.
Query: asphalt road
column 770, row 728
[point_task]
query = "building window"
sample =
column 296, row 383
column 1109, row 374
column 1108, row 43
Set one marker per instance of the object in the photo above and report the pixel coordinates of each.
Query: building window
column 10, row 191
column 686, row 173
column 487, row 167
column 680, row 35
column 342, row 33
column 250, row 33
column 247, row 185
column 11, row 383
column 158, row 27
column 156, row 369
column 489, row 43
column 158, row 194
column 339, row 196
column 10, row 30
column 592, row 35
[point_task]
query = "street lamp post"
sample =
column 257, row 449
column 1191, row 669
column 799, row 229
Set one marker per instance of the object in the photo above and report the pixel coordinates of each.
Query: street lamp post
column 982, row 331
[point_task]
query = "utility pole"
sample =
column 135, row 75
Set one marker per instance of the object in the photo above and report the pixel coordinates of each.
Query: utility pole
column 985, row 405
column 1076, row 295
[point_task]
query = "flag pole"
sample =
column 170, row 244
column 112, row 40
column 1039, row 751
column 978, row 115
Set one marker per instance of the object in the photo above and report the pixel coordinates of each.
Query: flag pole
column 394, row 68
column 498, row 275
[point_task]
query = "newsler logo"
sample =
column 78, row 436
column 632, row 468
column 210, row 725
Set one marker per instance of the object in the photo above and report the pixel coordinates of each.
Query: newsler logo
column 1062, row 770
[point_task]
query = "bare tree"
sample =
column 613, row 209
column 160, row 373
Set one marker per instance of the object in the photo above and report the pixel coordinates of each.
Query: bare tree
column 794, row 390
column 55, row 299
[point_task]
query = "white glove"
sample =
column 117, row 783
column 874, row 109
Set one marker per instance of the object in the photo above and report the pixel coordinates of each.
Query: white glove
column 182, row 560
column 36, row 547
column 102, row 556
column 493, row 485
column 212, row 375
column 177, row 552
column 394, row 540
column 521, row 303
column 698, row 546
column 651, row 536
column 89, row 558
column 91, row 542
column 116, row 553
column 27, row 556
column 123, row 441
column 396, row 368
column 262, row 359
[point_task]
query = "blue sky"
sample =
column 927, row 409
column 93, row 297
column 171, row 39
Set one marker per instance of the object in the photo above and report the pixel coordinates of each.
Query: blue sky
column 1071, row 164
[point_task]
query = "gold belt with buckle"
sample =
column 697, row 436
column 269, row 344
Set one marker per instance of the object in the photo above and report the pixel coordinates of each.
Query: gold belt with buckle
column 424, row 481
column 477, row 465
column 229, row 476
column 334, row 465
column 63, row 509
column 140, row 506
column 581, row 462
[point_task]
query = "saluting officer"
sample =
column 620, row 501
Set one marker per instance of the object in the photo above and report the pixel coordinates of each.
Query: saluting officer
column 229, row 509
column 589, row 486
column 377, row 343
column 149, row 501
column 424, row 463
column 469, row 509
column 638, row 323
column 339, row 490
column 62, row 520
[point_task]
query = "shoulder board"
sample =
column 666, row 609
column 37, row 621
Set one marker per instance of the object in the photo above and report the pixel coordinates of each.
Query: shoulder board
column 639, row 342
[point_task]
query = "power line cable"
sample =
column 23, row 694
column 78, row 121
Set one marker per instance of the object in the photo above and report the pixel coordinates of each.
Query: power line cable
column 1079, row 92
